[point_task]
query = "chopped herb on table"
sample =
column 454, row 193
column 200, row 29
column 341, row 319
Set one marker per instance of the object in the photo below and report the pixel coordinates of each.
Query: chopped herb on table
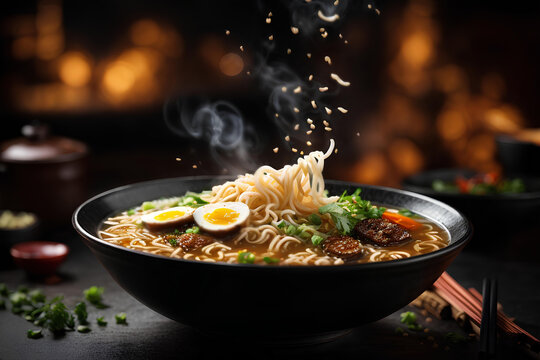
column 83, row 329
column 34, row 334
column 93, row 296
column 121, row 318
column 101, row 321
column 409, row 318
column 3, row 290
column 82, row 314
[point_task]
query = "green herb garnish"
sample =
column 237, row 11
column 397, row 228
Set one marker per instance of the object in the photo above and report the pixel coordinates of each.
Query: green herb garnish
column 408, row 213
column 270, row 260
column 83, row 329
column 121, row 318
column 82, row 314
column 316, row 240
column 4, row 290
column 246, row 257
column 147, row 205
column 193, row 230
column 34, row 334
column 131, row 212
column 94, row 296
column 349, row 209
column 101, row 321
column 409, row 318
column 36, row 296
column 315, row 219
column 193, row 199
column 57, row 317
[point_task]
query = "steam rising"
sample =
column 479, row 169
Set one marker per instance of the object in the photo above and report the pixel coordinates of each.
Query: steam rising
column 220, row 124
column 305, row 15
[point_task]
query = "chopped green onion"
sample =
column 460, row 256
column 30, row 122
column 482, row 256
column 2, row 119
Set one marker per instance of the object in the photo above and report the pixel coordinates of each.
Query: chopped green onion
column 147, row 205
column 120, row 318
column 408, row 317
column 131, row 212
column 282, row 224
column 36, row 296
column 82, row 314
column 4, row 290
column 34, row 334
column 315, row 219
column 93, row 296
column 172, row 240
column 193, row 230
column 246, row 257
column 290, row 230
column 83, row 329
column 270, row 260
column 22, row 289
column 101, row 321
column 317, row 240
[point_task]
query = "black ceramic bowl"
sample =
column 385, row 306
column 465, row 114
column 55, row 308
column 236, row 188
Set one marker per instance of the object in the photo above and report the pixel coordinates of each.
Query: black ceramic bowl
column 494, row 216
column 268, row 303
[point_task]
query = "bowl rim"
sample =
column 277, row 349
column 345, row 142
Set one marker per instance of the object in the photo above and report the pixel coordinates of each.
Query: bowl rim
column 408, row 184
column 440, row 253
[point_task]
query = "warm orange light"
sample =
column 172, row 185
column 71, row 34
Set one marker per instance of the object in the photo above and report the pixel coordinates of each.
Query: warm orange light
column 503, row 119
column 118, row 78
column 451, row 125
column 481, row 148
column 371, row 169
column 145, row 32
column 231, row 64
column 406, row 156
column 74, row 69
column 417, row 49
column 50, row 46
column 24, row 47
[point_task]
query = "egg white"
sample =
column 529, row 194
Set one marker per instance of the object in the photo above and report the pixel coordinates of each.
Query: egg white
column 150, row 221
column 221, row 230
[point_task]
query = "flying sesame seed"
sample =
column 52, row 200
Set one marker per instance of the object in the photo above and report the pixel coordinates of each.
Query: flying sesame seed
column 309, row 121
column 335, row 151
column 308, row 143
column 194, row 166
column 343, row 110
column 328, row 60
column 328, row 128
column 314, row 104
column 312, row 127
column 346, row 42
column 308, row 55
column 296, row 110
column 271, row 37
column 270, row 14
column 339, row 80
column 178, row 159
column 322, row 30
column 268, row 20
column 276, row 114
column 324, row 34
column 275, row 150
column 287, row 138
column 296, row 127
column 357, row 134
column 310, row 77
column 378, row 11
column 325, row 123
column 302, row 152
column 284, row 88
column 309, row 132
column 340, row 36
column 227, row 32
column 323, row 89
column 241, row 48
column 336, row 3
column 294, row 30
column 297, row 90
column 331, row 18
column 328, row 111
column 294, row 150
column 289, row 51
column 369, row 6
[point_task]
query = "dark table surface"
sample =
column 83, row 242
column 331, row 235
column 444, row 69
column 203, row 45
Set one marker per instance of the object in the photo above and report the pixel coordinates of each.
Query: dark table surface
column 150, row 335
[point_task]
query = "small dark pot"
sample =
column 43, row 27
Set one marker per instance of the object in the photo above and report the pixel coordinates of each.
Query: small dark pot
column 282, row 303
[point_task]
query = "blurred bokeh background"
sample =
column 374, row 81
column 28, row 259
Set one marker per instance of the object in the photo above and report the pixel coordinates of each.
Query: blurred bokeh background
column 433, row 82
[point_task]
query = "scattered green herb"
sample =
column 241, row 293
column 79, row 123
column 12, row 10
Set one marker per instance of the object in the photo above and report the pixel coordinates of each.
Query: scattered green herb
column 408, row 213
column 131, row 212
column 455, row 338
column 317, row 240
column 120, row 318
column 281, row 224
column 94, row 296
column 58, row 317
column 172, row 240
column 270, row 260
column 4, row 290
column 82, row 314
column 34, row 334
column 36, row 296
column 246, row 257
column 193, row 230
column 101, row 321
column 315, row 219
column 83, row 329
column 147, row 205
column 409, row 318
column 193, row 199
column 23, row 289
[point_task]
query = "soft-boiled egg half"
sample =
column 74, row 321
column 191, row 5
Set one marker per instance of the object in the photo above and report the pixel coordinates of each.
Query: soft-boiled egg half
column 221, row 218
column 168, row 218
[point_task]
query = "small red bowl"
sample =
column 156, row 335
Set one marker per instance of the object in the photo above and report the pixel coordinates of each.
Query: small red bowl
column 40, row 258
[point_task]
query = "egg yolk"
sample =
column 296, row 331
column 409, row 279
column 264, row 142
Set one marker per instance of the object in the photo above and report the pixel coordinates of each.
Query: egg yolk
column 169, row 215
column 222, row 216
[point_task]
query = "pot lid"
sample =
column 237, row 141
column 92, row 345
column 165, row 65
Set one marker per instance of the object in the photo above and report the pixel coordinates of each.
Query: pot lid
column 37, row 145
